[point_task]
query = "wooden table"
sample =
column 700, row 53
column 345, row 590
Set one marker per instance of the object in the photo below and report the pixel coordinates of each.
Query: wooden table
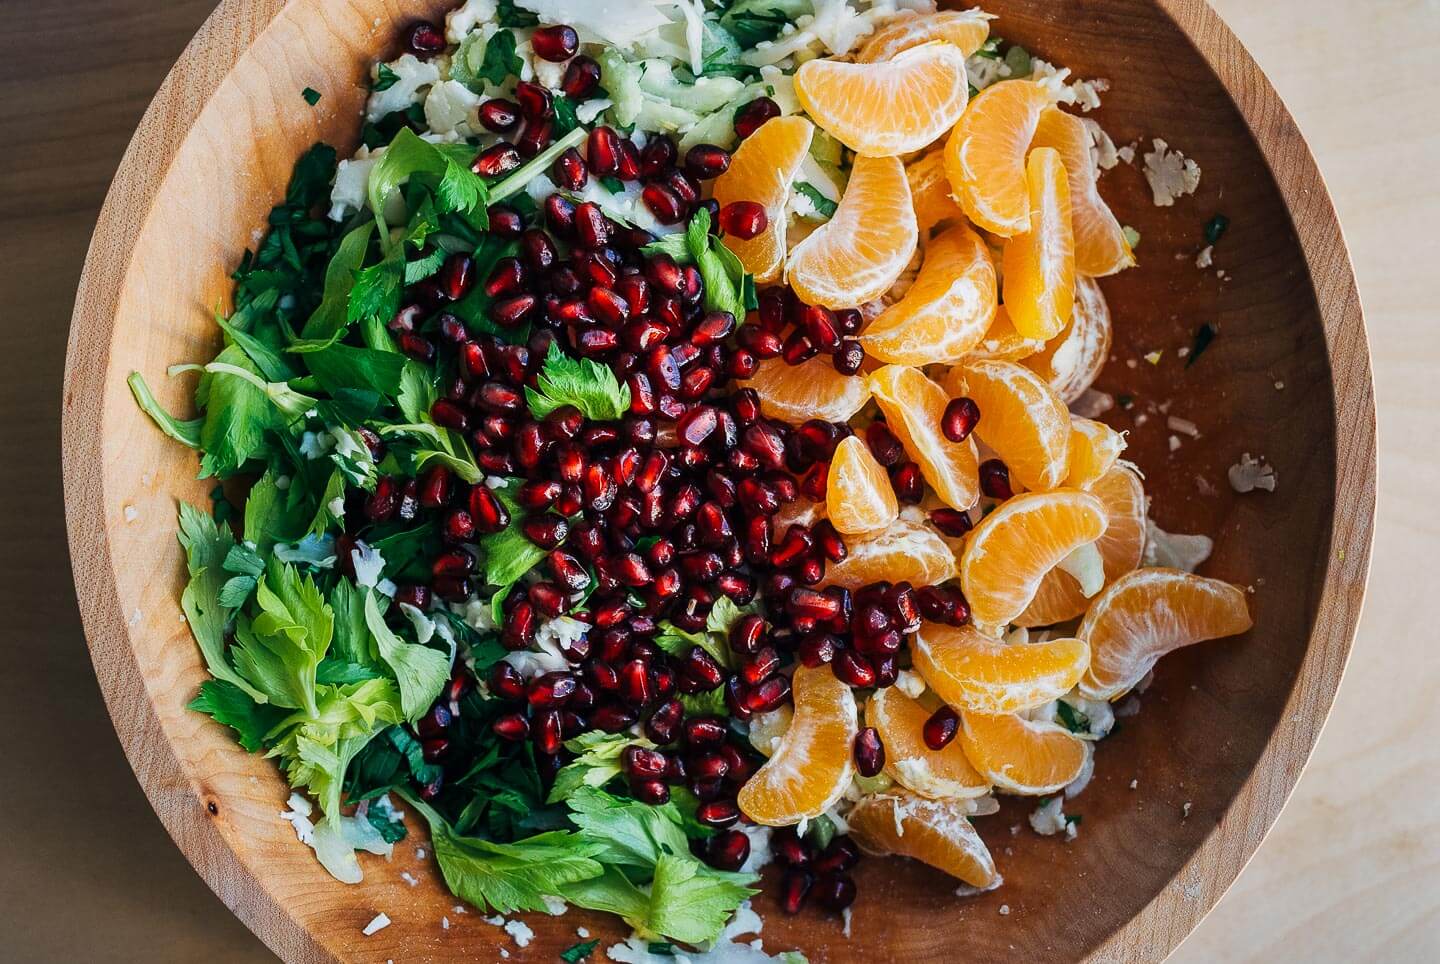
column 1351, row 871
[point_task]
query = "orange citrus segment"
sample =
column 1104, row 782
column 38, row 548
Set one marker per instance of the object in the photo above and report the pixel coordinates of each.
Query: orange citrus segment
column 935, row 832
column 1150, row 612
column 1020, row 418
column 1071, row 361
column 1020, row 755
column 884, row 109
column 1094, row 449
column 913, row 406
column 1002, row 341
column 985, row 156
column 811, row 389
column 930, row 191
column 905, row 551
column 1100, row 245
column 762, row 170
column 859, row 253
column 1011, row 550
column 944, row 773
column 1059, row 597
column 947, row 310
column 810, row 767
column 1039, row 264
column 966, row 29
column 972, row 671
column 858, row 494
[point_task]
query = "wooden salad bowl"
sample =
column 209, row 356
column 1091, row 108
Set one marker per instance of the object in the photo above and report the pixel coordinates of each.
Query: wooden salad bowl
column 1182, row 795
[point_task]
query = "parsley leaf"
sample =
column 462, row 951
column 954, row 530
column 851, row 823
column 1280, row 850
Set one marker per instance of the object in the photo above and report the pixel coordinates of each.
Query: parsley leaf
column 237, row 414
column 331, row 316
column 228, row 704
column 509, row 554
column 311, row 95
column 507, row 14
column 339, row 367
column 585, row 384
column 726, row 283
column 385, row 78
column 508, row 877
column 811, row 193
column 279, row 645
column 754, row 21
column 1071, row 718
column 184, row 432
column 206, row 547
column 421, row 672
column 579, row 951
column 376, row 291
column 596, row 763
column 436, row 444
column 500, row 62
column 1215, row 228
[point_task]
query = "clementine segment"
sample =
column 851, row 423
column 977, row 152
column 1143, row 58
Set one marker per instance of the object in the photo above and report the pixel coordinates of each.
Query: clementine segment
column 972, row 671
column 905, row 551
column 811, row 766
column 858, row 494
column 909, row 761
column 1039, row 264
column 934, row 832
column 1011, row 550
column 1002, row 341
column 858, row 254
column 966, row 29
column 947, row 310
column 913, row 407
column 761, row 170
column 1150, row 612
column 1022, row 756
column 1094, row 449
column 1100, row 244
column 811, row 389
column 1121, row 547
column 1020, row 418
column 930, row 191
column 890, row 108
column 1071, row 361
column 985, row 155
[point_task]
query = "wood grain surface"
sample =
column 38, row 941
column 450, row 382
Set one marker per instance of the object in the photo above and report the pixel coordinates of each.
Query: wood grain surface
column 123, row 893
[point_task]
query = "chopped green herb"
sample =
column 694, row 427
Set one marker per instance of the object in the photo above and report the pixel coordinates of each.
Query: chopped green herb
column 613, row 184
column 1204, row 335
column 1132, row 237
column 1125, row 401
column 1071, row 718
column 311, row 95
column 500, row 62
column 811, row 193
column 385, row 78
column 578, row 952
column 588, row 385
column 507, row 14
column 1215, row 228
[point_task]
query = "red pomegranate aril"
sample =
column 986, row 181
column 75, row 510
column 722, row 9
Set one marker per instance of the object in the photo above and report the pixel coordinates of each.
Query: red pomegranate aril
column 852, row 668
column 869, row 752
column 424, row 39
column 841, row 855
column 818, row 438
column 744, row 219
column 506, row 682
column 497, row 160
column 682, row 186
column 538, row 250
column 495, row 463
column 702, row 668
column 712, row 329
column 594, row 342
column 454, row 562
column 457, row 276
column 765, row 441
column 704, row 732
column 817, row 649
column 658, row 157
column 995, row 479
column 764, row 344
column 486, row 510
column 749, row 117
column 560, row 215
column 848, row 357
column 536, row 137
column 768, row 695
column 592, row 229
column 416, row 347
column 536, row 102
column 640, row 763
column 550, row 690
column 406, row 319
column 758, row 667
column 704, row 161
column 547, row 598
column 547, row 732
column 697, row 425
column 607, row 306
column 631, row 570
column 506, row 222
column 728, row 850
column 452, row 587
column 815, row 605
column 713, row 524
column 512, row 726
column 603, row 151
column 819, row 325
column 952, row 522
column 835, row 891
column 718, row 813
column 653, row 792
column 790, row 849
column 518, row 631
column 449, row 415
column 381, row 504
column 798, row 348
column 884, row 445
column 738, row 586
column 613, row 718
column 629, row 169
column 582, row 75
column 664, row 203
column 664, row 723
column 497, row 397
column 500, row 116
column 635, row 687
column 941, row 728
column 959, row 419
column 908, row 483
column 794, row 888
column 849, row 320
column 556, row 44
column 546, row 531
column 414, row 595
column 458, row 527
column 569, row 170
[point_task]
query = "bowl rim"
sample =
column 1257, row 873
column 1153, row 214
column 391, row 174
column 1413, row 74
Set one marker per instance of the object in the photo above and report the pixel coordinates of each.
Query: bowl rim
column 1170, row 916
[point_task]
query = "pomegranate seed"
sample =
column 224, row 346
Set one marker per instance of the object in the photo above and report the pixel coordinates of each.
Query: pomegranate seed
column 702, row 668
column 547, row 732
column 815, row 605
column 550, row 690
column 728, row 850
column 758, row 667
column 838, row 857
column 486, row 511
column 797, row 348
column 995, row 479
column 884, row 445
column 631, row 570
column 639, row 762
column 796, row 543
column 683, row 186
column 952, row 522
column 818, row 439
column 908, row 483
column 505, row 221
column 653, row 792
column 704, row 161
column 581, row 77
column 413, row 595
column 768, row 695
column 418, row 348
column 457, row 276
column 817, row 649
column 662, row 725
column 849, row 320
column 506, row 682
column 613, row 718
column 500, row 116
column 536, row 102
column 819, row 325
column 848, row 357
column 829, row 542
column 556, row 44
column 835, row 891
column 381, row 504
column 547, row 598
column 704, row 732
column 458, row 527
column 793, row 889
column 744, row 219
column 718, row 813
column 941, row 728
column 790, row 849
column 635, row 685
column 518, row 631
column 512, row 726
column 852, row 668
column 747, row 634
column 959, row 419
column 713, row 328
column 658, row 157
column 424, row 39
column 455, row 562
column 538, row 250
column 697, row 425
column 536, row 137
column 765, row 441
column 592, row 229
column 869, row 752
column 546, row 531
column 497, row 160
column 603, row 151
column 749, row 117
column 667, row 207
column 569, row 170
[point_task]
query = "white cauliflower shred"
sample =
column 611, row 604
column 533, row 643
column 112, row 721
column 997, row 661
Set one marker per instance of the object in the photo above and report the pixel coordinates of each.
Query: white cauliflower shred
column 1048, row 819
column 1250, row 474
column 1171, row 174
column 1173, row 550
column 411, row 74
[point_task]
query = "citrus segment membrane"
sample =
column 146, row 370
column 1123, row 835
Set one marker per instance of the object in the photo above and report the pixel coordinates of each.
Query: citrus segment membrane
column 913, row 406
column 859, row 497
column 1020, row 418
column 905, row 551
column 1022, row 756
column 972, row 671
column 1101, row 247
column 811, row 389
column 934, row 832
column 966, row 29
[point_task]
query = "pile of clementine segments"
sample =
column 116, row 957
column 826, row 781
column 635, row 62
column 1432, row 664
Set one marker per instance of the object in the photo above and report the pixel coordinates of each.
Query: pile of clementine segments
column 969, row 235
